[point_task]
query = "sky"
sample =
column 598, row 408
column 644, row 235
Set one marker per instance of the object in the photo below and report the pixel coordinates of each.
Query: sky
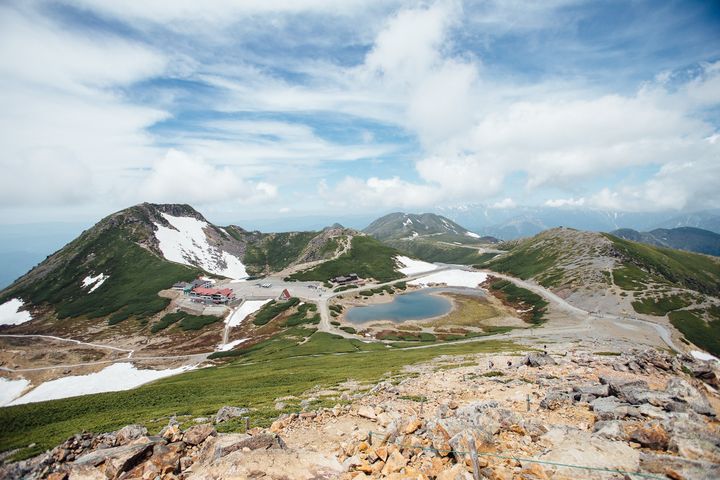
column 285, row 108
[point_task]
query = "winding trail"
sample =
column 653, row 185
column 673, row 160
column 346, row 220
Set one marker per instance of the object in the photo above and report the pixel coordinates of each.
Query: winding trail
column 95, row 345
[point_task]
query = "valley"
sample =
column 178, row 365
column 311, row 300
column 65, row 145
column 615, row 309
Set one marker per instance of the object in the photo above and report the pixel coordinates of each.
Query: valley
column 285, row 333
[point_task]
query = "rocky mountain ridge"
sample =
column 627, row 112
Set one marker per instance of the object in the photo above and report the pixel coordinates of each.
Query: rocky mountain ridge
column 561, row 415
column 682, row 238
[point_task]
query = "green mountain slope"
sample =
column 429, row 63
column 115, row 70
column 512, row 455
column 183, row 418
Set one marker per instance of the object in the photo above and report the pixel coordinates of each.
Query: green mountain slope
column 396, row 226
column 682, row 238
column 367, row 257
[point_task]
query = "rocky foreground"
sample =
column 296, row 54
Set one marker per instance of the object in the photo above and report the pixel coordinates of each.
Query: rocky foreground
column 496, row 417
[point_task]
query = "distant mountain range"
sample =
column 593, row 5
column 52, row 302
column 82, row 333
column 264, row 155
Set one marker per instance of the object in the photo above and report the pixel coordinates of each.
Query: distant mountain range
column 683, row 238
column 410, row 226
column 523, row 221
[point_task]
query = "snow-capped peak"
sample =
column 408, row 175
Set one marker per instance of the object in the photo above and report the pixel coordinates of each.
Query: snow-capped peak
column 187, row 243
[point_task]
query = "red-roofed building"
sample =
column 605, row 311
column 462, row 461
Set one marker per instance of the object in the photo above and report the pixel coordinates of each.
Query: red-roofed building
column 212, row 295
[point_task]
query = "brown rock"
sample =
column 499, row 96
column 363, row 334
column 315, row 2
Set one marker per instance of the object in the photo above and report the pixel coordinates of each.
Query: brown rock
column 412, row 426
column 394, row 463
column 367, row 412
column 382, row 453
column 58, row 476
column 651, row 436
column 533, row 471
column 458, row 472
column 197, row 434
column 260, row 441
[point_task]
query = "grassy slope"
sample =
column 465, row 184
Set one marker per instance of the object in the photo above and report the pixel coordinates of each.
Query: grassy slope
column 431, row 251
column 527, row 259
column 270, row 370
column 689, row 270
column 704, row 334
column 276, row 251
column 136, row 277
column 367, row 257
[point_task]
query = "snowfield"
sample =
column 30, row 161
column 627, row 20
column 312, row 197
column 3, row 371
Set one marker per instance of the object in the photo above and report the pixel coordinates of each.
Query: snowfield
column 703, row 356
column 95, row 281
column 243, row 311
column 231, row 345
column 410, row 266
column 452, row 278
column 11, row 389
column 472, row 235
column 187, row 244
column 114, row 378
column 10, row 313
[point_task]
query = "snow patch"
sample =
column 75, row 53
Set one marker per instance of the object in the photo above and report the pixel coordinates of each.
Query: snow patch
column 410, row 266
column 704, row 356
column 11, row 389
column 95, row 281
column 243, row 311
column 231, row 345
column 407, row 222
column 114, row 378
column 452, row 278
column 472, row 234
column 188, row 245
column 10, row 313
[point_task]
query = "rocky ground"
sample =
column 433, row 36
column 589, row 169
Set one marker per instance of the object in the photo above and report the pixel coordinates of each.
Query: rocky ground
column 529, row 417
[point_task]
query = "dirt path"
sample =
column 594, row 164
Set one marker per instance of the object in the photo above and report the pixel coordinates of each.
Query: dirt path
column 95, row 345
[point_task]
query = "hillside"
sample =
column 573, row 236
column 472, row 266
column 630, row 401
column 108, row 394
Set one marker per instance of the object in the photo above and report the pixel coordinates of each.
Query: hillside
column 682, row 238
column 430, row 237
column 116, row 269
column 601, row 272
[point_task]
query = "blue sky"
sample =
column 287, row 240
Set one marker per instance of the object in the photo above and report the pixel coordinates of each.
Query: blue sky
column 276, row 108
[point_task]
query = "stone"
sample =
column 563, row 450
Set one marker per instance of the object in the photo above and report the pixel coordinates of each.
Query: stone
column 595, row 390
column 412, row 426
column 58, row 476
column 201, row 420
column 536, row 359
column 263, row 441
column 279, row 405
column 197, row 434
column 457, row 472
column 609, row 429
column 367, row 412
column 554, row 400
column 116, row 459
column 677, row 468
column 651, row 436
column 533, row 471
column 608, row 408
column 394, row 463
column 166, row 458
column 226, row 413
column 129, row 433
column 681, row 390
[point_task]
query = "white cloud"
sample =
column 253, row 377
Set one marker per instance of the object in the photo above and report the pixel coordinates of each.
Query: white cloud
column 565, row 202
column 180, row 178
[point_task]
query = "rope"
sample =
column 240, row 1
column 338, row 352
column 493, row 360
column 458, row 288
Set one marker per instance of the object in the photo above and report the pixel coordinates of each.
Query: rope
column 531, row 460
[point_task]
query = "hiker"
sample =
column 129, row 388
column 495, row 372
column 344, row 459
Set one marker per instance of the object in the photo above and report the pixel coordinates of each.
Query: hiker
column 490, row 364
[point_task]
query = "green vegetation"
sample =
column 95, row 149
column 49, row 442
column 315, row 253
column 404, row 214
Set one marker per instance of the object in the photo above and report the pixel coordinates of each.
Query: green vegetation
column 348, row 330
column 608, row 354
column 378, row 291
column 704, row 334
column 343, row 288
column 187, row 321
column 336, row 308
column 660, row 306
column 492, row 373
column 526, row 260
column 330, row 247
column 515, row 295
column 276, row 251
column 367, row 257
column 272, row 309
column 630, row 277
column 302, row 316
column 695, row 272
column 432, row 251
column 135, row 277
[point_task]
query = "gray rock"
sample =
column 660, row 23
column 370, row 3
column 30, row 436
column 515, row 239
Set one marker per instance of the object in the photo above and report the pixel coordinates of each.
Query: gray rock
column 226, row 413
column 678, row 467
column 555, row 399
column 116, row 459
column 129, row 433
column 609, row 429
column 590, row 389
column 536, row 359
column 262, row 441
column 609, row 408
column 681, row 390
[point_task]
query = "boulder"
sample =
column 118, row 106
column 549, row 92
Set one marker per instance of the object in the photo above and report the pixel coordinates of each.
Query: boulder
column 457, row 472
column 537, row 359
column 116, row 459
column 367, row 412
column 677, row 467
column 592, row 389
column 555, row 399
column 609, row 429
column 226, row 413
column 651, row 436
column 608, row 408
column 263, row 441
column 128, row 433
column 679, row 389
column 395, row 462
column 197, row 434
